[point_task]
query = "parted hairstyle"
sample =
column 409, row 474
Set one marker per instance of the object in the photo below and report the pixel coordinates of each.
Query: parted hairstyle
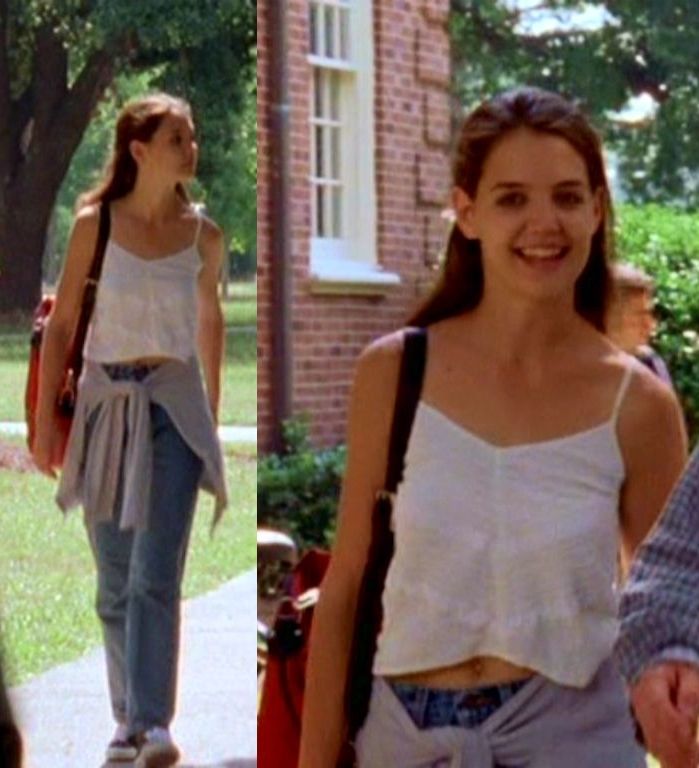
column 137, row 121
column 460, row 285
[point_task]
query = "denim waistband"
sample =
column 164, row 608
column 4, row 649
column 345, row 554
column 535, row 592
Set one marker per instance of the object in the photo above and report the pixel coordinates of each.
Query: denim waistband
column 128, row 371
column 465, row 707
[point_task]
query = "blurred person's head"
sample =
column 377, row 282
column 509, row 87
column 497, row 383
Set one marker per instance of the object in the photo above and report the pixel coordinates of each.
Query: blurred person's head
column 630, row 320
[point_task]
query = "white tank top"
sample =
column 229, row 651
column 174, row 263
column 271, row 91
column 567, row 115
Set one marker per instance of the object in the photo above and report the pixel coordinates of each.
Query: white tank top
column 145, row 307
column 504, row 551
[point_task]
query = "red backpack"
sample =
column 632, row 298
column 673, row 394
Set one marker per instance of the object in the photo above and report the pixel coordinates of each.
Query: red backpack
column 65, row 402
column 64, row 417
column 281, row 704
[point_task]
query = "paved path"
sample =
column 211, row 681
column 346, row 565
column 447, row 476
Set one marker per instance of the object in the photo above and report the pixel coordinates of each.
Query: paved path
column 227, row 434
column 64, row 713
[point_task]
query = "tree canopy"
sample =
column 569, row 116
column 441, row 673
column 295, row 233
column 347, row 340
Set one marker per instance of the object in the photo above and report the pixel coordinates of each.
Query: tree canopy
column 57, row 60
column 643, row 48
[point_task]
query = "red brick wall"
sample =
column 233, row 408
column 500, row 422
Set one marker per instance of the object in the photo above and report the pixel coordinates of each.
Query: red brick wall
column 411, row 61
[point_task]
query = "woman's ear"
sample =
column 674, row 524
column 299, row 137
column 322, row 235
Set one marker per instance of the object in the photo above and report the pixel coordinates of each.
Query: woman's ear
column 463, row 209
column 136, row 149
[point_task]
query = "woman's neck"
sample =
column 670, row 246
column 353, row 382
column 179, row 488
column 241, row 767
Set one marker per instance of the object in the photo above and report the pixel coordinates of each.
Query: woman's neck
column 152, row 202
column 520, row 329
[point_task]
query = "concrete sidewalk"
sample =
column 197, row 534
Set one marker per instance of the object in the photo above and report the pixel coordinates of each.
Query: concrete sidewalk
column 64, row 713
column 226, row 433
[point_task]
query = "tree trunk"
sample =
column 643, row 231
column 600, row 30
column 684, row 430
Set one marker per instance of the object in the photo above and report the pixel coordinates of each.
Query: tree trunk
column 38, row 136
column 22, row 237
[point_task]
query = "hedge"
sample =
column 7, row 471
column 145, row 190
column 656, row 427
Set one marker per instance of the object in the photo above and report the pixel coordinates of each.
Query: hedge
column 665, row 244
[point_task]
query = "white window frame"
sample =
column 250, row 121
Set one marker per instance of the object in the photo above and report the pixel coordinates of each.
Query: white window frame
column 349, row 263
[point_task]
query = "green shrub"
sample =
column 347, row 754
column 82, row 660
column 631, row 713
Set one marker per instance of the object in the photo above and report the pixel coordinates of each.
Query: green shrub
column 298, row 490
column 665, row 243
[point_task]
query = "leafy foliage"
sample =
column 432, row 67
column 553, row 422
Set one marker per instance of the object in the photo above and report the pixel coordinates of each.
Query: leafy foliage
column 645, row 48
column 298, row 490
column 58, row 58
column 665, row 244
column 226, row 131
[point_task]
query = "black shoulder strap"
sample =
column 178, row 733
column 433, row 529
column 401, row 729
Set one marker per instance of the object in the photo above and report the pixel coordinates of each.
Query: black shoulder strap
column 90, row 289
column 369, row 608
column 412, row 372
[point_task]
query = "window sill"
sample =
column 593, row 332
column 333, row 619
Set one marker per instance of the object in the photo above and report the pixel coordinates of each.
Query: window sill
column 347, row 277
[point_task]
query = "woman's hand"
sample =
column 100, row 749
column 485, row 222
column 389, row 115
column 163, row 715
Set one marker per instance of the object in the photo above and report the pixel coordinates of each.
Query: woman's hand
column 48, row 447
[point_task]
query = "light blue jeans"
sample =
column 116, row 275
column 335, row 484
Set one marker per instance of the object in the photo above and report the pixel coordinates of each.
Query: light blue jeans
column 139, row 575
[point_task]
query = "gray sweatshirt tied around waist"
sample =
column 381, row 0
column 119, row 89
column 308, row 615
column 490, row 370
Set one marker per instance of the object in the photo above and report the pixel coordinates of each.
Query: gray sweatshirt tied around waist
column 544, row 725
column 120, row 441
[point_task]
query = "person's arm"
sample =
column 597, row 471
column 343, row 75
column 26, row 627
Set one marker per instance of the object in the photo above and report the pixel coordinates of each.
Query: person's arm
column 370, row 414
column 58, row 334
column 653, row 442
column 210, row 333
column 652, row 650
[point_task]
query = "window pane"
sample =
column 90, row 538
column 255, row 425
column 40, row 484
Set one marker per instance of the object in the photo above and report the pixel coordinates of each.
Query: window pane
column 330, row 48
column 327, row 211
column 320, row 213
column 320, row 30
column 337, row 212
column 313, row 31
column 318, row 170
column 327, row 153
column 345, row 52
column 335, row 156
column 335, row 96
column 317, row 92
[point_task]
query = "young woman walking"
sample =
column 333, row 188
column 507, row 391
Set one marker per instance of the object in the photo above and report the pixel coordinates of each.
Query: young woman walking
column 143, row 438
column 538, row 448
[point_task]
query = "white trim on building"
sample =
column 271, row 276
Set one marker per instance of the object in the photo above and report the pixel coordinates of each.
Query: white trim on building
column 344, row 254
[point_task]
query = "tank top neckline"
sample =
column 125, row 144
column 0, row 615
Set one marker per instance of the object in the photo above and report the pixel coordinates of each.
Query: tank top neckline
column 495, row 448
column 193, row 246
column 147, row 259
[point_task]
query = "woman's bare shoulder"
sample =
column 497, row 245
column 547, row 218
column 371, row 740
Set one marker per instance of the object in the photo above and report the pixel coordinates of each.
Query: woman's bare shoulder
column 376, row 375
column 211, row 233
column 650, row 411
column 86, row 221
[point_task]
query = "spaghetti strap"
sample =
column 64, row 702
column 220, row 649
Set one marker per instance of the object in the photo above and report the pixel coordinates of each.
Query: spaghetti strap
column 625, row 380
column 200, row 220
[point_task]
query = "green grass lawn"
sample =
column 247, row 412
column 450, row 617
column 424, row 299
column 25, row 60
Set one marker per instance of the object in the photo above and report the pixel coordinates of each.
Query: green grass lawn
column 239, row 393
column 47, row 576
column 239, row 386
column 240, row 309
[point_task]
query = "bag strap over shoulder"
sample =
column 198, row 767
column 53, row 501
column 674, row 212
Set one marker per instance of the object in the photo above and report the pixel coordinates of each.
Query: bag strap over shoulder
column 369, row 614
column 412, row 372
column 90, row 290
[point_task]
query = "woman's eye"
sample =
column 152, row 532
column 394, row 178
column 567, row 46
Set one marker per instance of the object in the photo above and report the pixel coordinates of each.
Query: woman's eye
column 512, row 200
column 568, row 199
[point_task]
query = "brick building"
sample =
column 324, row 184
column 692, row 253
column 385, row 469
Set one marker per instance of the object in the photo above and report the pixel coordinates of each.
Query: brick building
column 353, row 173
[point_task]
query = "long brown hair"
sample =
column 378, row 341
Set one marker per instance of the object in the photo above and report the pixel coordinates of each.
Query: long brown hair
column 137, row 121
column 460, row 286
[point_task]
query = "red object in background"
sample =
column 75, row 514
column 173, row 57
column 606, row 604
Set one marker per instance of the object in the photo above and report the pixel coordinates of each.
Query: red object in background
column 279, row 717
column 64, row 417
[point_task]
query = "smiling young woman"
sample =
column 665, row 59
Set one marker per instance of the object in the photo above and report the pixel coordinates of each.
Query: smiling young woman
column 537, row 451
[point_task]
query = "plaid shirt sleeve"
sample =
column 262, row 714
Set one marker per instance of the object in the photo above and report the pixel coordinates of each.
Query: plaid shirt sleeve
column 659, row 608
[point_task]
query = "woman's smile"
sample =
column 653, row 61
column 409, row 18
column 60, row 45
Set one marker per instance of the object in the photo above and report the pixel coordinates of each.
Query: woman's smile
column 542, row 257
